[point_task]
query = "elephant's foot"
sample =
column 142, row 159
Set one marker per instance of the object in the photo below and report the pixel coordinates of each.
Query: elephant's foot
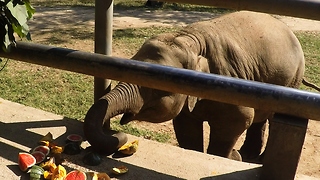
column 234, row 155
column 224, row 149
column 256, row 160
column 249, row 154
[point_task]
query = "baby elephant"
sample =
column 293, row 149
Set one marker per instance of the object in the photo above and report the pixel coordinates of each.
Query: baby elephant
column 247, row 45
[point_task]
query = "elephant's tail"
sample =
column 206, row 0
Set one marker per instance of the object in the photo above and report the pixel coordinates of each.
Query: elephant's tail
column 311, row 85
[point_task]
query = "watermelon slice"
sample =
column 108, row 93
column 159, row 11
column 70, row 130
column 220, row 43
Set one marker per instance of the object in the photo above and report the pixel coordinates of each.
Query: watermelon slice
column 39, row 156
column 74, row 138
column 76, row 175
column 25, row 161
column 44, row 149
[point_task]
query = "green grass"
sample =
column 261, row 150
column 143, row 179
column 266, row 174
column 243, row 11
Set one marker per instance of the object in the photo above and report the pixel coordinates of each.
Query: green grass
column 310, row 42
column 61, row 92
column 152, row 135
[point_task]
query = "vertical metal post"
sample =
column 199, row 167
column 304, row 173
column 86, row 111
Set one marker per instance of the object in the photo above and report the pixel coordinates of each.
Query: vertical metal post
column 102, row 40
column 284, row 146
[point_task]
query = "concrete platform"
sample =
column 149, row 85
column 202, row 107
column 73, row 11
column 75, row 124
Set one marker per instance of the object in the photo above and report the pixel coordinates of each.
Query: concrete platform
column 21, row 127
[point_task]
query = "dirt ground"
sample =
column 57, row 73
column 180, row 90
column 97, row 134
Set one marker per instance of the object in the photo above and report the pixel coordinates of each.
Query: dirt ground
column 62, row 18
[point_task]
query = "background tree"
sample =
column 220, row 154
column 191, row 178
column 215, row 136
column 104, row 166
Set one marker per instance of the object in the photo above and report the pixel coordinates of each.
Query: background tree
column 14, row 15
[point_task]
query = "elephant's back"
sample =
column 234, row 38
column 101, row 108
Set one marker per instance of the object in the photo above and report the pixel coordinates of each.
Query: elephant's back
column 252, row 46
column 245, row 27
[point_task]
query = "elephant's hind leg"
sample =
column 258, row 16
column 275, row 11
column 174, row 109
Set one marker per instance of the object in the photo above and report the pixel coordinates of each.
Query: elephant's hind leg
column 189, row 132
column 226, row 128
column 224, row 147
column 255, row 137
column 253, row 143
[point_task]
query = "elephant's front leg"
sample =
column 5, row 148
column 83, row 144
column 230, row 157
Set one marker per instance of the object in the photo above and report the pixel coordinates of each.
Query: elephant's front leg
column 189, row 132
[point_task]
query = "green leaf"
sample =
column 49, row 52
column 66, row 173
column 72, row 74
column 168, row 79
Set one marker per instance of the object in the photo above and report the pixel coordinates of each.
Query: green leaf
column 14, row 15
column 19, row 12
column 30, row 9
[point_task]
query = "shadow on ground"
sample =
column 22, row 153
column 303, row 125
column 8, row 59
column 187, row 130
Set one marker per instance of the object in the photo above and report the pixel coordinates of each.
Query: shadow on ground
column 16, row 137
column 20, row 134
column 47, row 18
column 23, row 135
column 237, row 175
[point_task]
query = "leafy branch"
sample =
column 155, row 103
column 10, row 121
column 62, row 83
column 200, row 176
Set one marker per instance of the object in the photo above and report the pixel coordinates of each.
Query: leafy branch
column 14, row 15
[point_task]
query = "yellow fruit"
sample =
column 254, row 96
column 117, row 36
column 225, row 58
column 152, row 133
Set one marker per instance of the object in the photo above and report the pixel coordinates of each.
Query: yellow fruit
column 47, row 175
column 49, row 165
column 59, row 173
column 92, row 176
column 129, row 148
column 97, row 176
column 56, row 149
column 103, row 176
column 120, row 170
column 44, row 143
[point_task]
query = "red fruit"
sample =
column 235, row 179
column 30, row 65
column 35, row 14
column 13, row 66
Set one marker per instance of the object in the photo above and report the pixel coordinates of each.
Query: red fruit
column 44, row 149
column 74, row 138
column 39, row 156
column 25, row 161
column 76, row 175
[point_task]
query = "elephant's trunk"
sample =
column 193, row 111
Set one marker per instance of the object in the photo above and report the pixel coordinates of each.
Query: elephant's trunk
column 115, row 102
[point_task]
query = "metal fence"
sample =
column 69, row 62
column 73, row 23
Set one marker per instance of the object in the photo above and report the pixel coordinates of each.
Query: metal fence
column 294, row 106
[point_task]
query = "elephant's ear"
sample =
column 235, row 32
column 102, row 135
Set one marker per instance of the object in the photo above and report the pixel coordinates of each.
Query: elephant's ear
column 202, row 64
column 192, row 102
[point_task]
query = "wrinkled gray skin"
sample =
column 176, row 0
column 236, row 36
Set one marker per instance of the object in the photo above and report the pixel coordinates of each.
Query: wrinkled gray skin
column 245, row 45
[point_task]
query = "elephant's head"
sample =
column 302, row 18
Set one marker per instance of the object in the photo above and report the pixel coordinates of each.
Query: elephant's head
column 141, row 103
column 136, row 103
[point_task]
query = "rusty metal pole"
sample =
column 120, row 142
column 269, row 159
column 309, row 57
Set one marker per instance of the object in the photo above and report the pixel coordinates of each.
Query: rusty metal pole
column 309, row 9
column 103, row 40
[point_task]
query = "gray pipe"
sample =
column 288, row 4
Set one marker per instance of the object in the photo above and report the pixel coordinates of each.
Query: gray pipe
column 209, row 86
column 309, row 9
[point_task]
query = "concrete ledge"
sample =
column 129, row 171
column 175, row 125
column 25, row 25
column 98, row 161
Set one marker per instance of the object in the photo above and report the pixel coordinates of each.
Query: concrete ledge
column 22, row 126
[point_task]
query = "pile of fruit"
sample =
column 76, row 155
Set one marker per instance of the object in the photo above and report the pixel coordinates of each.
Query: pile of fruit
column 45, row 160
